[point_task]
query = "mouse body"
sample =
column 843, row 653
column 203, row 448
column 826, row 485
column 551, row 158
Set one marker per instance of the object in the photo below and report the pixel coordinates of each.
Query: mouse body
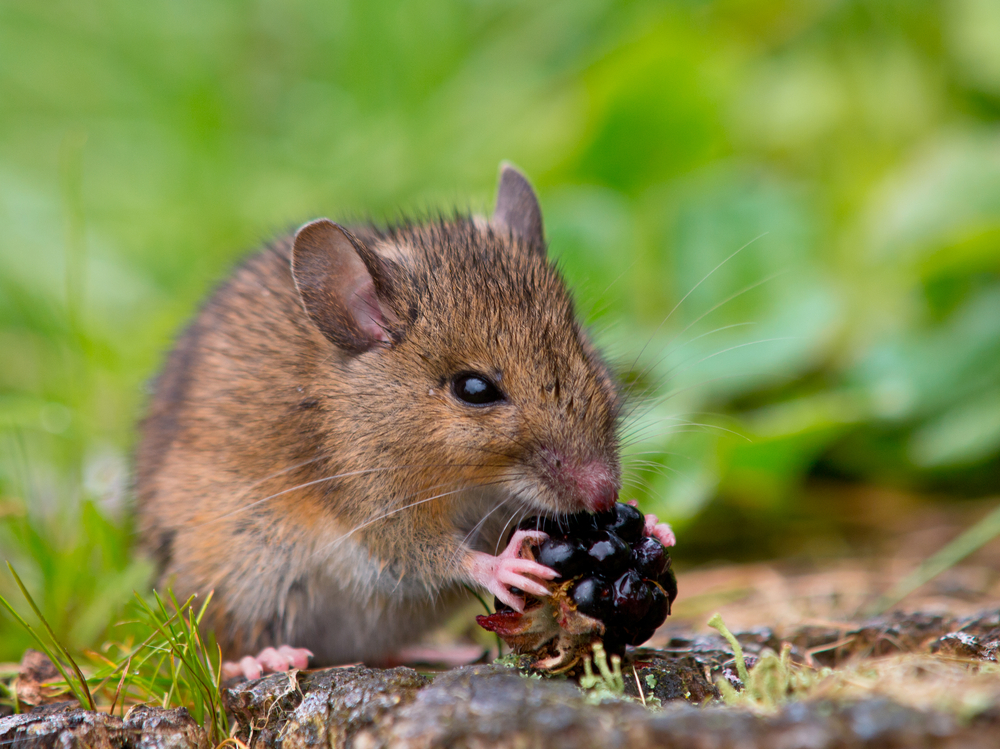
column 341, row 437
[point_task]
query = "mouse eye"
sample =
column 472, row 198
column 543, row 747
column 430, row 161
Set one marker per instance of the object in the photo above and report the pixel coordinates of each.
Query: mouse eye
column 475, row 389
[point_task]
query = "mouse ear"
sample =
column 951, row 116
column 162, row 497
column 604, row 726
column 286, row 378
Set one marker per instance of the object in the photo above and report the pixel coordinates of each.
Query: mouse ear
column 343, row 286
column 517, row 208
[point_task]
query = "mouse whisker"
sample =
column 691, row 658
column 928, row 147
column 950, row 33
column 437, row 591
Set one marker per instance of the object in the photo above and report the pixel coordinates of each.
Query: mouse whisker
column 689, row 293
column 503, row 531
column 657, row 400
column 662, row 427
column 646, row 428
column 665, row 349
column 733, row 348
column 668, row 433
column 347, row 474
column 658, row 468
column 397, row 510
column 468, row 535
column 677, row 369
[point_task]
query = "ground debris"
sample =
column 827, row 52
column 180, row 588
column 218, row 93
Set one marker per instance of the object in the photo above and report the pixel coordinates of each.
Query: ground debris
column 324, row 708
column 498, row 706
column 34, row 675
column 938, row 685
column 977, row 638
column 57, row 726
column 511, row 706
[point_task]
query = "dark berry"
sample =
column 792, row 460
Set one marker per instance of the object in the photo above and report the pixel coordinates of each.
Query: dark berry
column 631, row 598
column 658, row 609
column 668, row 581
column 592, row 597
column 657, row 614
column 614, row 644
column 566, row 556
column 628, row 523
column 609, row 554
column 639, row 635
column 499, row 606
column 649, row 558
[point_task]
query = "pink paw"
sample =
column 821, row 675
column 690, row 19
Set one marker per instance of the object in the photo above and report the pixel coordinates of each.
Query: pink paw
column 267, row 661
column 662, row 532
column 509, row 570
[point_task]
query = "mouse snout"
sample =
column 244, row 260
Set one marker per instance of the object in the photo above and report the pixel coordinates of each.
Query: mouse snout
column 587, row 485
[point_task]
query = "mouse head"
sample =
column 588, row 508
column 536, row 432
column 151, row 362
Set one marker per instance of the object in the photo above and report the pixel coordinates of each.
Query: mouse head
column 462, row 357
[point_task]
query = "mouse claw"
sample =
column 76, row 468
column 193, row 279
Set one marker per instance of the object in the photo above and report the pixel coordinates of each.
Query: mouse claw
column 267, row 661
column 509, row 570
column 662, row 532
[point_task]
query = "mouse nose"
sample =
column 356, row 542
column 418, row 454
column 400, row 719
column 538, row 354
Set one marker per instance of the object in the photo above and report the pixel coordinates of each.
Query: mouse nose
column 590, row 485
column 597, row 487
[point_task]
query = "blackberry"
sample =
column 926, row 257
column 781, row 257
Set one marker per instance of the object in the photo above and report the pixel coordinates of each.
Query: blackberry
column 608, row 555
column 628, row 523
column 615, row 584
column 593, row 597
column 649, row 557
column 566, row 556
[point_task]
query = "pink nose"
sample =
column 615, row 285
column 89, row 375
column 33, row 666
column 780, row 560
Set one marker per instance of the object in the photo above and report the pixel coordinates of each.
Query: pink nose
column 597, row 487
column 590, row 485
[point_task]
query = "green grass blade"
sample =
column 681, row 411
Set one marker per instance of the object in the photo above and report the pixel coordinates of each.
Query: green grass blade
column 44, row 648
column 84, row 687
column 980, row 534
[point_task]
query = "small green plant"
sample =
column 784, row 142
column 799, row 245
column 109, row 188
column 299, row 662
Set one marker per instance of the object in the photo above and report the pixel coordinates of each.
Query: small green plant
column 773, row 680
column 652, row 700
column 488, row 611
column 608, row 682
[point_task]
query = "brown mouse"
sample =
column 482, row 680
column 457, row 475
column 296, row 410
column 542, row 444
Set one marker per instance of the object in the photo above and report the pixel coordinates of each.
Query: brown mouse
column 341, row 436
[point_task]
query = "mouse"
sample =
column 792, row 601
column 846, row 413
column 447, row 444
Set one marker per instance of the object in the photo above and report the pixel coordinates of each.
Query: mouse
column 355, row 418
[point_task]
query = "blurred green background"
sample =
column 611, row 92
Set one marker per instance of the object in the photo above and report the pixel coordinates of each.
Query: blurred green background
column 852, row 149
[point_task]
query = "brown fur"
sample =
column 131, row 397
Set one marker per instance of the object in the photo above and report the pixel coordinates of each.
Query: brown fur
column 257, row 411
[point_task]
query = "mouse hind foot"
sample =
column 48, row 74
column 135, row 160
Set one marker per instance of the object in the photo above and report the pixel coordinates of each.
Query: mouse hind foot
column 267, row 661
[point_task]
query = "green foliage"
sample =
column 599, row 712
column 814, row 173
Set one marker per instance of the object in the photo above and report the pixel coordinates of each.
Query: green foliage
column 144, row 147
column 73, row 554
column 717, row 624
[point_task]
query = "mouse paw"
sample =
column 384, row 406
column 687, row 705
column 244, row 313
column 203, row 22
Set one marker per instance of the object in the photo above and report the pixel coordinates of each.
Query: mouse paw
column 662, row 532
column 267, row 661
column 509, row 570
